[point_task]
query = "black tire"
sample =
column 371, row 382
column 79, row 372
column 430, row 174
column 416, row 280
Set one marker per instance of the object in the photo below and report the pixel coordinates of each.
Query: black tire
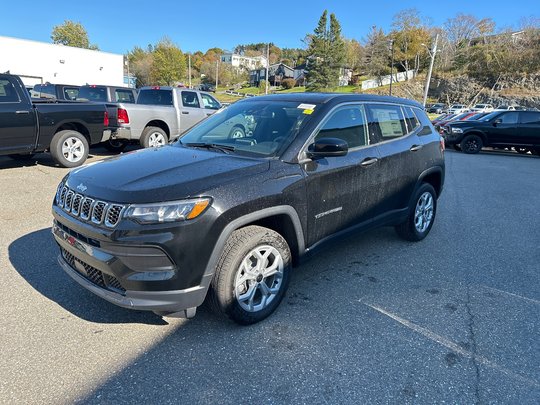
column 237, row 132
column 22, row 157
column 471, row 144
column 224, row 289
column 409, row 230
column 152, row 137
column 66, row 139
column 115, row 145
column 456, row 147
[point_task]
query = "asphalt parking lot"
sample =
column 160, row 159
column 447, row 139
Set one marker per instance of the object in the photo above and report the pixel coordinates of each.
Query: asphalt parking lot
column 371, row 319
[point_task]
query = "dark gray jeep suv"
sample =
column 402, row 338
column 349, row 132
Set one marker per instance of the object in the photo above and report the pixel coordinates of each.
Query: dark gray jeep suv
column 229, row 212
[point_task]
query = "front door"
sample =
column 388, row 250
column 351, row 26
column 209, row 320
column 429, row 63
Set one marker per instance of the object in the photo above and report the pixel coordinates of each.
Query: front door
column 191, row 110
column 504, row 129
column 17, row 120
column 341, row 191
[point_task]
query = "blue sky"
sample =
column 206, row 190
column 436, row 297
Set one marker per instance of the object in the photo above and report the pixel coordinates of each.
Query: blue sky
column 118, row 25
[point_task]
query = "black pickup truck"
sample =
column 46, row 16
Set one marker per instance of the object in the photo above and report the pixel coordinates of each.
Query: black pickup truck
column 65, row 129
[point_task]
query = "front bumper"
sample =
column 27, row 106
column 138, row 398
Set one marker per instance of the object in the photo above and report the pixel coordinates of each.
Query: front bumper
column 107, row 274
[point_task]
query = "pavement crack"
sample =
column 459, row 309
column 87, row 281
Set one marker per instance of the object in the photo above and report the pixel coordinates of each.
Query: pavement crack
column 473, row 345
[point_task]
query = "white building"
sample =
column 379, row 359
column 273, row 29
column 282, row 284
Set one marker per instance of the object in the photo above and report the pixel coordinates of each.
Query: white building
column 248, row 62
column 60, row 64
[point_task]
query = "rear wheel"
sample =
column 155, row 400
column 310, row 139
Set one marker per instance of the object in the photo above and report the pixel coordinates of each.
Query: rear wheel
column 421, row 214
column 471, row 144
column 153, row 137
column 252, row 275
column 69, row 148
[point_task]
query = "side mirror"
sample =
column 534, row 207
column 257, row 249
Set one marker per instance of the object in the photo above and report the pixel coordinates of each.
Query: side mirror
column 328, row 147
column 497, row 121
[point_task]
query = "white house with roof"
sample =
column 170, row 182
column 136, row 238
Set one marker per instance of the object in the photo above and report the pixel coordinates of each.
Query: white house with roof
column 59, row 64
column 241, row 61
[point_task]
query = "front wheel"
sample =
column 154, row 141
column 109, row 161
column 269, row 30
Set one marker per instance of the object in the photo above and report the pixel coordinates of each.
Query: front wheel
column 471, row 144
column 252, row 275
column 69, row 148
column 153, row 137
column 421, row 214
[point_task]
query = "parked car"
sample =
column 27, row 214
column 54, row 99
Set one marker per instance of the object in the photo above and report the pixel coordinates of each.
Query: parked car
column 506, row 129
column 161, row 114
column 437, row 108
column 207, row 87
column 61, row 92
column 441, row 125
column 160, row 228
column 65, row 129
column 509, row 107
column 107, row 94
column 441, row 118
column 457, row 108
column 476, row 116
column 482, row 108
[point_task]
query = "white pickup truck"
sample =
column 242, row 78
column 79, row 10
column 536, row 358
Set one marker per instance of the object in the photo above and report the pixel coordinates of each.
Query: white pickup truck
column 160, row 115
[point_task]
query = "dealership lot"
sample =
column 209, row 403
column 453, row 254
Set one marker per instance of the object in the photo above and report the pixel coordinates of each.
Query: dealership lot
column 454, row 318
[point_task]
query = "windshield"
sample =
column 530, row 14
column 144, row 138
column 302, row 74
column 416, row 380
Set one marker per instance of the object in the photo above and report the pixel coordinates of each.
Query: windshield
column 258, row 128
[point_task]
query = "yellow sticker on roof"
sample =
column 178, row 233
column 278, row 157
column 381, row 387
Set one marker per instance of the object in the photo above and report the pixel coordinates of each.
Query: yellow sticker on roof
column 308, row 111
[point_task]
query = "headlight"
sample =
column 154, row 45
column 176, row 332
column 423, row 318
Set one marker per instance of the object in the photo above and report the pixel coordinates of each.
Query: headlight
column 167, row 211
column 457, row 130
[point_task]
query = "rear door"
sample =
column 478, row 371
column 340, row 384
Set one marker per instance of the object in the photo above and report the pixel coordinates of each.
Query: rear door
column 529, row 128
column 191, row 108
column 396, row 131
column 17, row 119
column 342, row 191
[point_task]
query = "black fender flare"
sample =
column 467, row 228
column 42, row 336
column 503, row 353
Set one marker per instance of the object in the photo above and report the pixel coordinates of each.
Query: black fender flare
column 247, row 219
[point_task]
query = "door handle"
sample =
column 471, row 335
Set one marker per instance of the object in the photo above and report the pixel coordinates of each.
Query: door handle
column 368, row 161
column 185, row 112
column 22, row 112
column 414, row 148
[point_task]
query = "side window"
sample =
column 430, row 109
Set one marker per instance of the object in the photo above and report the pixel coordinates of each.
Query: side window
column 509, row 118
column 347, row 123
column 412, row 122
column 424, row 122
column 124, row 96
column 190, row 99
column 71, row 93
column 210, row 102
column 7, row 92
column 530, row 117
column 387, row 120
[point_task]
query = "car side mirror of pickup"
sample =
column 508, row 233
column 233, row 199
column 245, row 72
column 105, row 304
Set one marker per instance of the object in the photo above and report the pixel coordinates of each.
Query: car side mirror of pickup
column 328, row 147
column 496, row 122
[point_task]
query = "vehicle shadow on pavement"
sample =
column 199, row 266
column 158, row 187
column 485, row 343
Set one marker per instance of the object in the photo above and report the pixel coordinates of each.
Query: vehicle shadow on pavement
column 34, row 257
column 41, row 159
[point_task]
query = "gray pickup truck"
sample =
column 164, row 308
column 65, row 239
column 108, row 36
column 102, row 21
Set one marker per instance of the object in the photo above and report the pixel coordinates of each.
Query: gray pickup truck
column 160, row 115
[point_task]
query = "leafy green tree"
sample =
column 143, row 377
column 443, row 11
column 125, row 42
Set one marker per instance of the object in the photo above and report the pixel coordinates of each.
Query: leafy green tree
column 169, row 63
column 326, row 54
column 377, row 53
column 72, row 34
column 140, row 65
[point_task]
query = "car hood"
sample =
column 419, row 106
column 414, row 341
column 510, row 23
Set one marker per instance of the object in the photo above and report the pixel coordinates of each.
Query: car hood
column 161, row 174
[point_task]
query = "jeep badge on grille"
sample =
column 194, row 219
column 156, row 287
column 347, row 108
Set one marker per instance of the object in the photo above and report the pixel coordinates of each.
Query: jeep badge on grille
column 82, row 187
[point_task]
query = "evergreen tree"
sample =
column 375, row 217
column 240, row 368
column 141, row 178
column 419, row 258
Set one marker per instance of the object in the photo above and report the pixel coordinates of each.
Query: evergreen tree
column 326, row 54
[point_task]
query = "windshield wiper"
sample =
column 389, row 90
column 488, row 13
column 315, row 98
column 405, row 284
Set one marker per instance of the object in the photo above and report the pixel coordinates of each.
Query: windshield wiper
column 217, row 146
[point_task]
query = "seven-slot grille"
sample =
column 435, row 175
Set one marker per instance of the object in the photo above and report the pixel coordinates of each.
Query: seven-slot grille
column 88, row 209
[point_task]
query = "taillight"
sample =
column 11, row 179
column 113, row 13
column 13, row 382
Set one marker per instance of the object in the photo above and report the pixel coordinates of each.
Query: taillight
column 123, row 117
column 106, row 119
column 155, row 87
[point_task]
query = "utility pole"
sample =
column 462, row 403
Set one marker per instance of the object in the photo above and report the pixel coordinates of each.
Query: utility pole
column 189, row 69
column 217, row 73
column 432, row 54
column 391, row 66
column 267, row 67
